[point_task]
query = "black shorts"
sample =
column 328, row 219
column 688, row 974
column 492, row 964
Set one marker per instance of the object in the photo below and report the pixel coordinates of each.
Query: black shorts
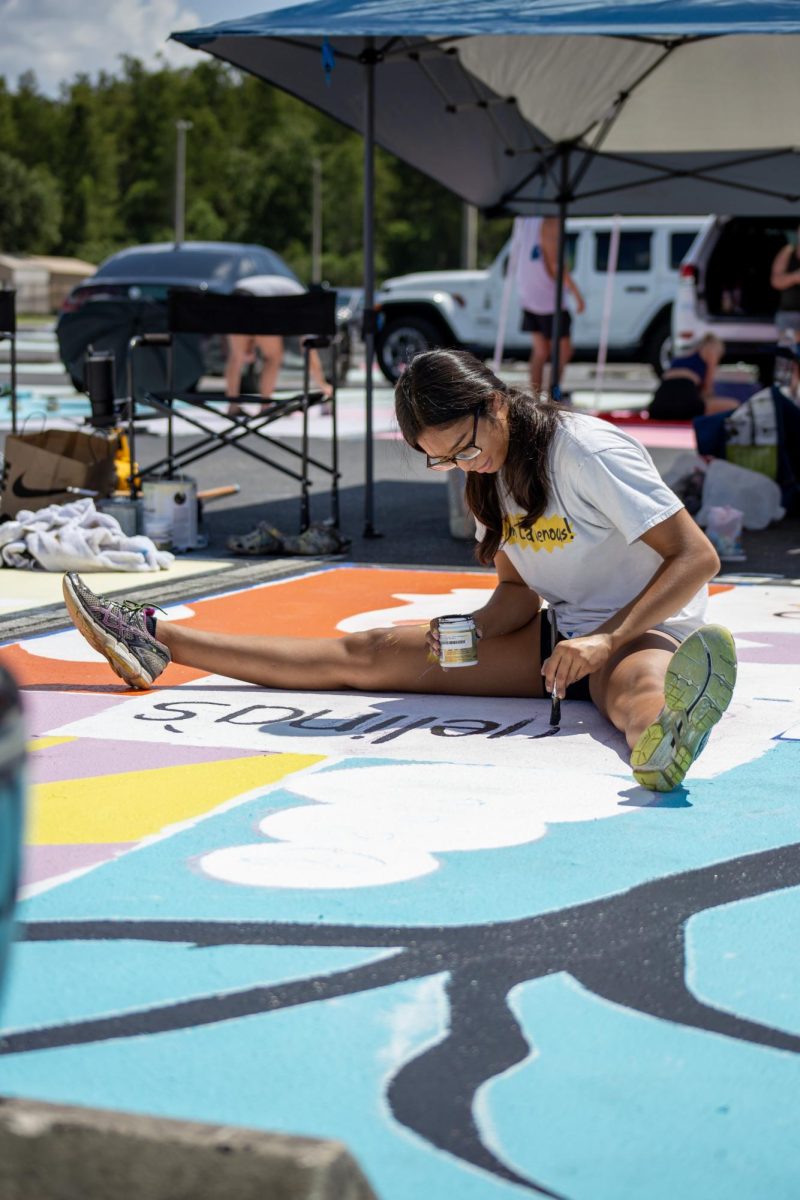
column 575, row 691
column 677, row 400
column 543, row 323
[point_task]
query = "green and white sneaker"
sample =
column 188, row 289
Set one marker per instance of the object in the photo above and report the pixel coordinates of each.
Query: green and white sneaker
column 118, row 630
column 697, row 689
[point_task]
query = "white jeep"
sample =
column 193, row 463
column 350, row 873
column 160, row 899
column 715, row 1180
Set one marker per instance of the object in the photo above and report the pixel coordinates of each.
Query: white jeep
column 462, row 308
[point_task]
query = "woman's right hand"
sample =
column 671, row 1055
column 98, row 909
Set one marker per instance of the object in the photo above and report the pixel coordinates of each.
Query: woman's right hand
column 432, row 640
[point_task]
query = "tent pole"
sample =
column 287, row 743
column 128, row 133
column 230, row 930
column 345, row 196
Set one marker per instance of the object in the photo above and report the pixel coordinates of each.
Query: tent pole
column 555, row 389
column 369, row 59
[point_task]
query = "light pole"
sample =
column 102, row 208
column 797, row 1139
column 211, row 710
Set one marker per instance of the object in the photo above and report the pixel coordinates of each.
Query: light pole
column 182, row 128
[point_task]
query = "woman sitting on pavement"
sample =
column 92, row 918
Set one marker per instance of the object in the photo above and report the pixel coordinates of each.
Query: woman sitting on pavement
column 686, row 390
column 570, row 510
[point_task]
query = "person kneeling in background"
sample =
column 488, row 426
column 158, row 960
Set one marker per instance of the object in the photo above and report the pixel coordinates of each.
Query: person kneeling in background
column 686, row 390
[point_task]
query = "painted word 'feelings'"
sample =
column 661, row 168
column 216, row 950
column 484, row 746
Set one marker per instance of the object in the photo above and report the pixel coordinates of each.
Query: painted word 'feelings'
column 279, row 718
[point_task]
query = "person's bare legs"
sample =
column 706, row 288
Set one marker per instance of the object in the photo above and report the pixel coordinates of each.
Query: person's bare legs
column 540, row 357
column 564, row 356
column 719, row 404
column 382, row 660
column 238, row 345
column 629, row 690
column 272, row 356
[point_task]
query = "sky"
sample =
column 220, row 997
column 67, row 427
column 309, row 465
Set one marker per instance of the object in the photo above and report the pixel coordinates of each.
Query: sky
column 59, row 39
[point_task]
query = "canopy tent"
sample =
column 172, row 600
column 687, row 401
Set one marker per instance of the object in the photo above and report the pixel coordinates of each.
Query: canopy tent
column 644, row 106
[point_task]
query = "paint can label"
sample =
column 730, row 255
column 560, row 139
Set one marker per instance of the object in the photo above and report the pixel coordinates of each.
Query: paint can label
column 458, row 642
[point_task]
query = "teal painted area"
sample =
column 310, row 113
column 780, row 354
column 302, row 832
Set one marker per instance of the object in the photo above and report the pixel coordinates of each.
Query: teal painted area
column 308, row 1070
column 746, row 810
column 613, row 1105
column 610, row 1104
column 744, row 957
column 96, row 978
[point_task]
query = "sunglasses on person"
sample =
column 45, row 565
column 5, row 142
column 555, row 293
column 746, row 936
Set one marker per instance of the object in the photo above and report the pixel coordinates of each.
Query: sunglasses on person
column 446, row 462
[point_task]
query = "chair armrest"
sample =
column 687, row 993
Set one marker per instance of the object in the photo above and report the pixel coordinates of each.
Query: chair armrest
column 150, row 339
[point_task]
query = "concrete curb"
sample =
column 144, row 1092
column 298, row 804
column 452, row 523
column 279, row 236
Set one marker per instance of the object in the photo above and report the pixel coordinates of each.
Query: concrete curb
column 53, row 1152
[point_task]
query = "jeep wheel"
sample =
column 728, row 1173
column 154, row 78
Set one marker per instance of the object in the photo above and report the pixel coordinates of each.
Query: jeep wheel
column 658, row 345
column 400, row 339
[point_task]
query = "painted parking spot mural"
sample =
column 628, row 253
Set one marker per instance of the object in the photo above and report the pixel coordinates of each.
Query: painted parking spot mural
column 488, row 962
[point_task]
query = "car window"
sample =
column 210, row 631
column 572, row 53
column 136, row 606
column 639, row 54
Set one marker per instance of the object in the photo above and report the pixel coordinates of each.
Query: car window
column 266, row 262
column 634, row 251
column 173, row 264
column 679, row 245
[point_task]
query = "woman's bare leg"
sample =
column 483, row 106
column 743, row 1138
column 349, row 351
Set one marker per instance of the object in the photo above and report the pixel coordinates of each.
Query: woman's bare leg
column 629, row 690
column 272, row 355
column 719, row 404
column 378, row 660
column 237, row 353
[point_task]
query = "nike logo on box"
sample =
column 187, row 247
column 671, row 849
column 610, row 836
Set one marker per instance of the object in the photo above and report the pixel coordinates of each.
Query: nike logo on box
column 18, row 488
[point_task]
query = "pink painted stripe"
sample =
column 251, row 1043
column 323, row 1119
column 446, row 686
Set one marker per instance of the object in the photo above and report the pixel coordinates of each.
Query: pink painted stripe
column 46, row 862
column 58, row 706
column 85, row 758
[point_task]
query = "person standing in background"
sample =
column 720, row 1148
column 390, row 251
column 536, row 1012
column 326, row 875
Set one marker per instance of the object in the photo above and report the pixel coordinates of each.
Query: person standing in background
column 785, row 278
column 536, row 279
column 242, row 348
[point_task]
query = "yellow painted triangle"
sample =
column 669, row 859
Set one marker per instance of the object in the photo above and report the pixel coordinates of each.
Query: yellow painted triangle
column 42, row 743
column 135, row 804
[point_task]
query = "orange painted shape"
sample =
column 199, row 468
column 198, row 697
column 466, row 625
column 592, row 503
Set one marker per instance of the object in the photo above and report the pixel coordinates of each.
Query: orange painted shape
column 309, row 606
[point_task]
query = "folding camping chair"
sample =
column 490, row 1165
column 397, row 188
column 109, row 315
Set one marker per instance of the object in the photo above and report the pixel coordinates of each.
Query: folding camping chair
column 8, row 331
column 311, row 316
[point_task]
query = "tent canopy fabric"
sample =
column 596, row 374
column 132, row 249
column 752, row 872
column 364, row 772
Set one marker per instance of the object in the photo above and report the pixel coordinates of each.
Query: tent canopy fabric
column 519, row 106
column 647, row 106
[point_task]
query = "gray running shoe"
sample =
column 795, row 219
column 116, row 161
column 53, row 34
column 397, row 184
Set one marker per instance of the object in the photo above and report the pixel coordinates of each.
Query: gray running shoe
column 118, row 630
column 697, row 690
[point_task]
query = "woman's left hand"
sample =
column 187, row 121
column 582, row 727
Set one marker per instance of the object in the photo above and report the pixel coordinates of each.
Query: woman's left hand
column 573, row 658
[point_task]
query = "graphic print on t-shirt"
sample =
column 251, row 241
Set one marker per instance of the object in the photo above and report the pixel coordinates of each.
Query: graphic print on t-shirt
column 546, row 533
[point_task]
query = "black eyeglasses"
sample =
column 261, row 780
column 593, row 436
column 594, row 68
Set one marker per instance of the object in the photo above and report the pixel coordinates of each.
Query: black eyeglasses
column 446, row 462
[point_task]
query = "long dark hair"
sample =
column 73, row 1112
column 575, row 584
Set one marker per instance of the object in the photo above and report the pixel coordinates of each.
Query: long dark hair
column 441, row 387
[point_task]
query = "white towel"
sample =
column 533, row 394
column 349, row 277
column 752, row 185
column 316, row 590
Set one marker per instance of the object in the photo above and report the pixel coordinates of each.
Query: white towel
column 76, row 537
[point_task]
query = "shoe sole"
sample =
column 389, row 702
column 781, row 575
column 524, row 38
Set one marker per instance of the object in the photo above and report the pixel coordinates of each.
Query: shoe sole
column 697, row 689
column 114, row 651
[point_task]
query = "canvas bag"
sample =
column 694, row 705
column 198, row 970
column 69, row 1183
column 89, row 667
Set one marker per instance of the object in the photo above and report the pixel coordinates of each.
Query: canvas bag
column 763, row 434
column 39, row 467
column 751, row 435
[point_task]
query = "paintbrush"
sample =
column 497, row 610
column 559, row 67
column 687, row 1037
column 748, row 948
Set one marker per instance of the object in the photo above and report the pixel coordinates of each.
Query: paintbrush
column 555, row 709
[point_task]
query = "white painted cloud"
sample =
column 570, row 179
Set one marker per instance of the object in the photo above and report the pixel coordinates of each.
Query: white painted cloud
column 59, row 39
column 368, row 826
column 418, row 609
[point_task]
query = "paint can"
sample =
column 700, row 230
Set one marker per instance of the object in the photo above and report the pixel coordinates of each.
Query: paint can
column 127, row 512
column 170, row 512
column 458, row 642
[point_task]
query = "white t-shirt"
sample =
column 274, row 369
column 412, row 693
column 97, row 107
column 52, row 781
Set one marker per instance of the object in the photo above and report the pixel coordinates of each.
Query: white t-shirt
column 582, row 556
column 537, row 288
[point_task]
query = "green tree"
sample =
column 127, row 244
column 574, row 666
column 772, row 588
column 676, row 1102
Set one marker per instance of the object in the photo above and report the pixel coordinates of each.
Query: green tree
column 30, row 209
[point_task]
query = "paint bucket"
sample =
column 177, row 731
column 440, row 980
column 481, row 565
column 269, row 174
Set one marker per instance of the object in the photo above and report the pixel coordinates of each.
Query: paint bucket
column 170, row 512
column 458, row 642
column 127, row 512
